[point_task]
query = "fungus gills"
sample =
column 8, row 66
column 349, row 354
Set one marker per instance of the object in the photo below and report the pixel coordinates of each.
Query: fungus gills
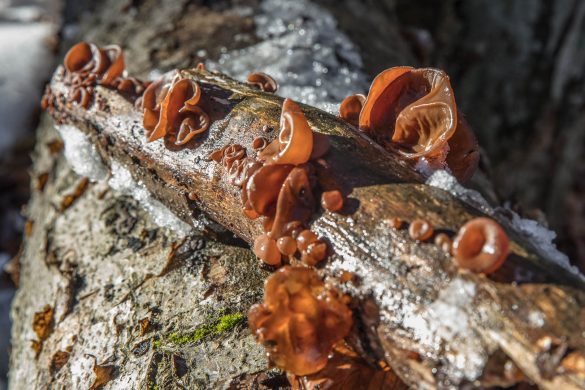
column 413, row 111
column 87, row 65
column 280, row 184
column 263, row 82
column 481, row 245
column 300, row 320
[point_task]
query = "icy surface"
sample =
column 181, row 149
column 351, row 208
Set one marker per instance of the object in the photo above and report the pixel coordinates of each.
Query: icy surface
column 122, row 181
column 301, row 47
column 81, row 153
column 446, row 320
column 86, row 161
column 539, row 236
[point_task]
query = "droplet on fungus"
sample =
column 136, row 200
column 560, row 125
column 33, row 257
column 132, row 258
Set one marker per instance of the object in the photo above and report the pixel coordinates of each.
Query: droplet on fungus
column 481, row 246
column 299, row 321
column 420, row 230
column 287, row 245
column 394, row 222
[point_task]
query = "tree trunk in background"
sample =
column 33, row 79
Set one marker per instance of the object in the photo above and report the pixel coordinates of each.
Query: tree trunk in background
column 171, row 309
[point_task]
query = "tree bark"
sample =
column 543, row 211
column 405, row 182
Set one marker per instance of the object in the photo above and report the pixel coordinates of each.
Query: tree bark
column 148, row 303
column 406, row 289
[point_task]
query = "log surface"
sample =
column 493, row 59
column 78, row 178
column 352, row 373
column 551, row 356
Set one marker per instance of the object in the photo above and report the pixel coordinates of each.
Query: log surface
column 435, row 326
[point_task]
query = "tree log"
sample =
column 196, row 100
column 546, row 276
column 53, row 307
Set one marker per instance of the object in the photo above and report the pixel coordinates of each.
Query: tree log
column 435, row 325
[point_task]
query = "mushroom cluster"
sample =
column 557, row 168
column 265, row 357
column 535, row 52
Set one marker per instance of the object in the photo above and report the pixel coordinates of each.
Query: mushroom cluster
column 300, row 320
column 87, row 65
column 280, row 184
column 172, row 110
column 413, row 111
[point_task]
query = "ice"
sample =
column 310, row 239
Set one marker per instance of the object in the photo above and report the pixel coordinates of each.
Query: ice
column 82, row 154
column 86, row 161
column 301, row 47
column 122, row 181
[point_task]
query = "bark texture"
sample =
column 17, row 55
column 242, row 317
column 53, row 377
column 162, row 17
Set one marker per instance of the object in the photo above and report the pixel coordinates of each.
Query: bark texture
column 158, row 310
column 410, row 322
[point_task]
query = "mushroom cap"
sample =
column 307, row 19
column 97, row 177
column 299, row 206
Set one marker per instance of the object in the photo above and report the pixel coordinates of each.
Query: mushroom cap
column 413, row 109
column 463, row 156
column 481, row 245
column 263, row 187
column 263, row 81
column 295, row 139
column 116, row 66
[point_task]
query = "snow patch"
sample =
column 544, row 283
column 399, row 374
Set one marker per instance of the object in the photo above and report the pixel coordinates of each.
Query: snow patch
column 81, row 153
column 446, row 319
column 301, row 47
column 123, row 182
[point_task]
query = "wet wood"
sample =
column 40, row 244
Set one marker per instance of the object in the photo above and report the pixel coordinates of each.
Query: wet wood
column 401, row 292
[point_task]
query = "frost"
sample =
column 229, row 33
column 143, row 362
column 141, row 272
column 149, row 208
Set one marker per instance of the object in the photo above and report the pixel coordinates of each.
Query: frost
column 445, row 320
column 537, row 235
column 536, row 319
column 82, row 154
column 123, row 182
column 300, row 47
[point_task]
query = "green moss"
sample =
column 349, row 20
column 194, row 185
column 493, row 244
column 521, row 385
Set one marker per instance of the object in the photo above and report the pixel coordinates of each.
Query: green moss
column 156, row 344
column 214, row 327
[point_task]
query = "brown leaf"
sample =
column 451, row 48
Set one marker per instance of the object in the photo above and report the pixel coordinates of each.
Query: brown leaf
column 103, row 374
column 58, row 360
column 43, row 322
column 79, row 189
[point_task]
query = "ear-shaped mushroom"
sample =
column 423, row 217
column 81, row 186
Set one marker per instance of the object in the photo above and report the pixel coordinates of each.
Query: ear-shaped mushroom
column 78, row 57
column 116, row 67
column 195, row 123
column 295, row 140
column 264, row 186
column 295, row 201
column 180, row 92
column 481, row 245
column 413, row 108
column 263, row 82
column 350, row 108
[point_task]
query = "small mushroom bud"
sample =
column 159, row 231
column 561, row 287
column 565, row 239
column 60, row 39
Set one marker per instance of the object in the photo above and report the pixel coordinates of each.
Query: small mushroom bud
column 481, row 245
column 263, row 82
column 420, row 229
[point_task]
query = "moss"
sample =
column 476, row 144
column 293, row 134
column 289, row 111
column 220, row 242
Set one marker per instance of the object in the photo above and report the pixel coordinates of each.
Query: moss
column 214, row 327
column 156, row 344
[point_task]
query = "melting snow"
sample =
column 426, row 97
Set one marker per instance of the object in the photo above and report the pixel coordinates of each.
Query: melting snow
column 82, row 154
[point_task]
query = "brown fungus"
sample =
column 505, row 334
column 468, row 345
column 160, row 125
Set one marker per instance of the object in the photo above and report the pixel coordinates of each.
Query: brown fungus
column 300, row 320
column 295, row 139
column 444, row 242
column 350, row 108
column 171, row 110
column 262, row 81
column 88, row 65
column 420, row 229
column 481, row 245
column 414, row 112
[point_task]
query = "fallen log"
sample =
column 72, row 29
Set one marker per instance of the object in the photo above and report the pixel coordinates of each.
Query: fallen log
column 434, row 325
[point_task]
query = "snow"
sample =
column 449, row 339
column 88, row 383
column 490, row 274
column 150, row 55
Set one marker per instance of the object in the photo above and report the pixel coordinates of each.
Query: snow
column 301, row 47
column 82, row 153
column 86, row 161
column 123, row 182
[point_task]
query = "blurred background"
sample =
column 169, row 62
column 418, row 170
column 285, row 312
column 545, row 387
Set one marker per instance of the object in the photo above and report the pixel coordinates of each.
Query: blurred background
column 517, row 67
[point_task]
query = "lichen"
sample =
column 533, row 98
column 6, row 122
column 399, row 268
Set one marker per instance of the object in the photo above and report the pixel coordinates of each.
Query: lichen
column 214, row 327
